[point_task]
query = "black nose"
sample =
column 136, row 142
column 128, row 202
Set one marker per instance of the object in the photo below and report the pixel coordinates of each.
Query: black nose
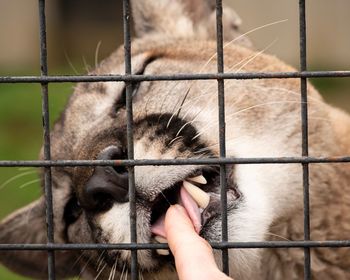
column 107, row 184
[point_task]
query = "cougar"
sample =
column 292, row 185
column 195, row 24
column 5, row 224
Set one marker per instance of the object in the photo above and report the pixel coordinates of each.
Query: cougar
column 179, row 120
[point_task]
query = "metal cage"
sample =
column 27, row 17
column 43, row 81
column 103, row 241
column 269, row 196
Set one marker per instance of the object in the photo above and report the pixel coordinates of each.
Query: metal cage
column 304, row 159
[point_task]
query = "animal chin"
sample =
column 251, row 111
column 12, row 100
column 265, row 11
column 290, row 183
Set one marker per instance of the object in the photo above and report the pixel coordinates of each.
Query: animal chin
column 196, row 194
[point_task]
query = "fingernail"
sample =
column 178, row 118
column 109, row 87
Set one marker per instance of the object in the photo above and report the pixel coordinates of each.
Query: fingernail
column 178, row 207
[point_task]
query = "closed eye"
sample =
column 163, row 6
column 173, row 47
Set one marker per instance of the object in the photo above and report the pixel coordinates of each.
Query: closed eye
column 121, row 102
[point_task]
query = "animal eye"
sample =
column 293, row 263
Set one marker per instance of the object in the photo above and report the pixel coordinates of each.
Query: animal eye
column 72, row 211
column 121, row 102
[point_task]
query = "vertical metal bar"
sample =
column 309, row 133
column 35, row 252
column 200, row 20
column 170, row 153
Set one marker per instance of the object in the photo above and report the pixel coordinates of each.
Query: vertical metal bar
column 46, row 132
column 129, row 112
column 222, row 132
column 304, row 133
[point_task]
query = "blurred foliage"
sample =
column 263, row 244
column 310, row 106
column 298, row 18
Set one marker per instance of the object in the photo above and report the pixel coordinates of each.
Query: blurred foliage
column 335, row 91
column 21, row 138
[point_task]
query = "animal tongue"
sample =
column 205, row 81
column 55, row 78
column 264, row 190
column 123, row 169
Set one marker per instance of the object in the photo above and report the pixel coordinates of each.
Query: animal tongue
column 192, row 209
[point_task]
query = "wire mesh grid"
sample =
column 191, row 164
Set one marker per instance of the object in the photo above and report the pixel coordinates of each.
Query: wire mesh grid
column 44, row 79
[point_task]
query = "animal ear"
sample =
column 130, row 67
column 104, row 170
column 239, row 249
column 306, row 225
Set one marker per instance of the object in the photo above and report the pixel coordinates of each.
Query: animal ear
column 185, row 18
column 28, row 226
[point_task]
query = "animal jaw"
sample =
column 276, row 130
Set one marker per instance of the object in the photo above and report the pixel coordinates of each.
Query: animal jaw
column 178, row 120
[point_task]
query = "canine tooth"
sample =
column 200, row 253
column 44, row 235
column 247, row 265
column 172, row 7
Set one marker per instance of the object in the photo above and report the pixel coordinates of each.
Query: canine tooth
column 201, row 197
column 163, row 252
column 200, row 179
column 160, row 239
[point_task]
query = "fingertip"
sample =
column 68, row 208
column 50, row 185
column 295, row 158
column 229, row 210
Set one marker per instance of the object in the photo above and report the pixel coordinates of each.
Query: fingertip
column 181, row 233
column 177, row 221
column 176, row 209
column 190, row 250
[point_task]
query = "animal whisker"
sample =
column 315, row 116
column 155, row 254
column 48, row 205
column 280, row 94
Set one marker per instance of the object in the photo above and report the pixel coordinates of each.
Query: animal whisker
column 70, row 63
column 97, row 52
column 84, row 267
column 227, row 117
column 183, row 101
column 29, row 183
column 175, row 139
column 76, row 262
column 15, row 178
column 126, row 274
column 278, row 236
column 177, row 112
column 100, row 271
column 113, row 270
column 86, row 65
column 245, row 61
column 261, row 105
column 255, row 56
column 165, row 198
column 25, row 168
column 100, row 259
column 191, row 104
column 241, row 36
column 214, row 55
column 182, row 127
column 253, row 30
column 122, row 273
column 279, row 90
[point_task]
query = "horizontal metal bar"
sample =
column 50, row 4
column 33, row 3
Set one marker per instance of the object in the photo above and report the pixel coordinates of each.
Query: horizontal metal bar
column 202, row 161
column 173, row 77
column 146, row 246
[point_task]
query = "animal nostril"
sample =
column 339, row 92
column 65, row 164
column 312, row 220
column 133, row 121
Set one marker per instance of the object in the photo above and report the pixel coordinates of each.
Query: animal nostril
column 112, row 152
column 100, row 201
column 107, row 184
column 122, row 170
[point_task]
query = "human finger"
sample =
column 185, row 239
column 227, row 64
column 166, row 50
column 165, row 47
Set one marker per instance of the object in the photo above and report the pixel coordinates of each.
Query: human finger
column 194, row 257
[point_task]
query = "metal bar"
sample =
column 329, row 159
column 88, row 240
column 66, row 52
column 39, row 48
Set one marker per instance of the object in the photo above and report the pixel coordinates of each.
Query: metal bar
column 173, row 77
column 128, row 78
column 148, row 246
column 202, row 161
column 222, row 134
column 130, row 138
column 46, row 136
column 305, row 135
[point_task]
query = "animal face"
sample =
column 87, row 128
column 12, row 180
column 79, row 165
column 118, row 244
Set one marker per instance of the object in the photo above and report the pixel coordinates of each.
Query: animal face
column 179, row 120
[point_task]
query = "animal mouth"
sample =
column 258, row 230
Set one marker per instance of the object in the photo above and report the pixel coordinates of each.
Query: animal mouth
column 198, row 194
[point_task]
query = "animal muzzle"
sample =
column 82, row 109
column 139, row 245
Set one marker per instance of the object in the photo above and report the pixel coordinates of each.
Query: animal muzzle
column 108, row 184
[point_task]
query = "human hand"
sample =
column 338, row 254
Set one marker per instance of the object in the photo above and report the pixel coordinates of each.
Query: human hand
column 194, row 257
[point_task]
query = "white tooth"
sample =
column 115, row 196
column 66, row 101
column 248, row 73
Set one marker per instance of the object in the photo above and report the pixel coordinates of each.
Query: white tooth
column 163, row 252
column 160, row 239
column 201, row 197
column 198, row 179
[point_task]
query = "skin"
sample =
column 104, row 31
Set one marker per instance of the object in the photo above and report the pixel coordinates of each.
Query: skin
column 194, row 257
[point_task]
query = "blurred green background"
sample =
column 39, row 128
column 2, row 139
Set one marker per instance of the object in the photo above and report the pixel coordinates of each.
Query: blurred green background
column 77, row 29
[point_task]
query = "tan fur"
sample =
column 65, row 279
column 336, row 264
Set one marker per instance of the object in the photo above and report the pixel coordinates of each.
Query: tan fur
column 262, row 120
